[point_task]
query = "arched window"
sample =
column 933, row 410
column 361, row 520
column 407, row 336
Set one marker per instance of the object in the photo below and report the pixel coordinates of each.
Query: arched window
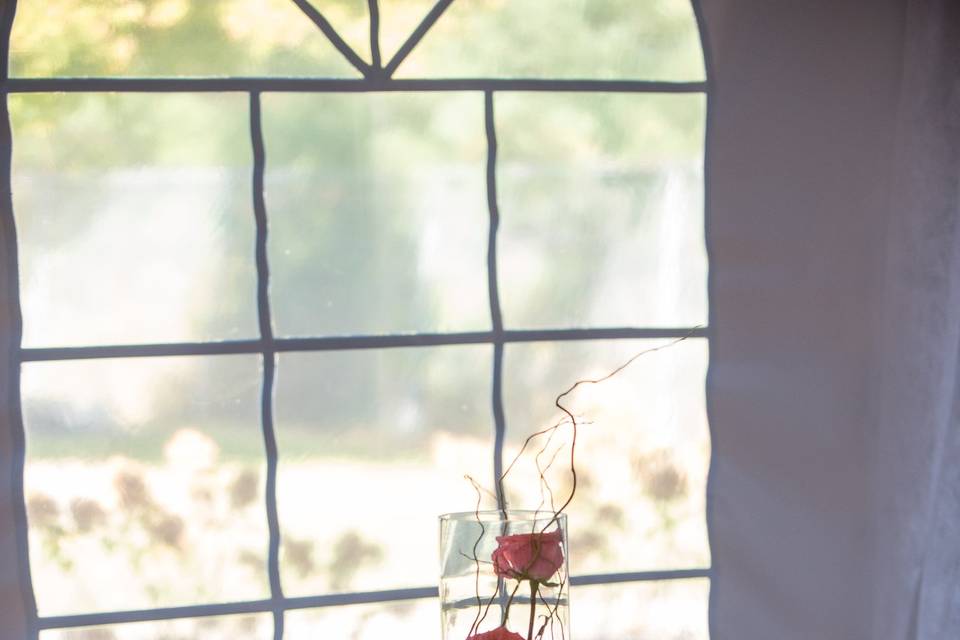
column 289, row 270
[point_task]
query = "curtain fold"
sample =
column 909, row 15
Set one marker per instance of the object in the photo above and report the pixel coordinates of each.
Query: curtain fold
column 834, row 230
column 918, row 444
column 803, row 122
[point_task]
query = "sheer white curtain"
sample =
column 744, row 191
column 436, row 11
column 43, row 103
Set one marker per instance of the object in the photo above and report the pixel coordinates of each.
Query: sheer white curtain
column 918, row 445
column 834, row 227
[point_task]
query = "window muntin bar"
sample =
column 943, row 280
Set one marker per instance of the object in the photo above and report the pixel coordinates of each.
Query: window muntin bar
column 309, row 602
column 338, row 343
column 334, row 85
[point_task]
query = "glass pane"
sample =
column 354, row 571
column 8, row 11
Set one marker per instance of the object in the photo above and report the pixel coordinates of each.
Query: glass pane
column 378, row 213
column 247, row 627
column 668, row 610
column 170, row 38
column 374, row 446
column 398, row 20
column 144, row 482
column 131, row 209
column 655, row 40
column 642, row 453
column 601, row 201
column 350, row 19
column 408, row 619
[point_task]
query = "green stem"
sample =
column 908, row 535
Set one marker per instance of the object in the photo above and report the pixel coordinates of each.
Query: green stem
column 533, row 607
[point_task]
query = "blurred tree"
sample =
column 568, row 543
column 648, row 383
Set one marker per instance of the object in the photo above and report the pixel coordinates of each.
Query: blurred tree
column 322, row 157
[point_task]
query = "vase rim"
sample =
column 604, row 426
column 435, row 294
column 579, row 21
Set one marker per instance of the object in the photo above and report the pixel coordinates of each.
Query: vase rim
column 527, row 515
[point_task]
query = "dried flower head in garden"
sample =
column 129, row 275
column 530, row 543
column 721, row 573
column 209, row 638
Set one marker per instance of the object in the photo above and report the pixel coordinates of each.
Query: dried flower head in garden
column 244, row 489
column 662, row 479
column 167, row 530
column 87, row 514
column 132, row 490
column 42, row 511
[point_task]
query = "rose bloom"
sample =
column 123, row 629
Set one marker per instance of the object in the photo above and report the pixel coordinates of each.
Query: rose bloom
column 528, row 556
column 500, row 633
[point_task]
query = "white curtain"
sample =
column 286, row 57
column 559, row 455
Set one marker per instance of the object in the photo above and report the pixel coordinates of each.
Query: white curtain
column 834, row 231
column 918, row 448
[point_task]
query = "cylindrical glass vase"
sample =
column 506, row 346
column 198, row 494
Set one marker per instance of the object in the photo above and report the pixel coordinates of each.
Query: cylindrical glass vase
column 503, row 576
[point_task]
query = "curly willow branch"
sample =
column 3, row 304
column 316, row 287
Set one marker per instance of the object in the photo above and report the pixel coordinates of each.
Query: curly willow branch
column 476, row 546
column 570, row 419
column 573, row 420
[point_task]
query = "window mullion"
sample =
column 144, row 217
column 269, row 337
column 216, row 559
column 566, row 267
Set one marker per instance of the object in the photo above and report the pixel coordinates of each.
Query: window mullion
column 496, row 317
column 375, row 60
column 21, row 617
column 269, row 363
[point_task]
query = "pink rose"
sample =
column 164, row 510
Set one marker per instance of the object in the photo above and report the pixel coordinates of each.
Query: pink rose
column 500, row 633
column 528, row 556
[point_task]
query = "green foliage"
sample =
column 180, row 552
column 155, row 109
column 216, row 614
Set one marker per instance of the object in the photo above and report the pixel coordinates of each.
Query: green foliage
column 649, row 40
column 168, row 38
column 344, row 172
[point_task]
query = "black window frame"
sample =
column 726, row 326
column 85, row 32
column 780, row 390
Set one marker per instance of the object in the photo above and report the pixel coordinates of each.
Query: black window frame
column 377, row 77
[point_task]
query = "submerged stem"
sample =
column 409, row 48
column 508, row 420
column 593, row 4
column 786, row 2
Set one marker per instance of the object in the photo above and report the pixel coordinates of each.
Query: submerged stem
column 533, row 607
column 506, row 611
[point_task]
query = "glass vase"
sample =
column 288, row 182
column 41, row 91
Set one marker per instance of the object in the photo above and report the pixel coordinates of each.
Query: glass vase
column 504, row 576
